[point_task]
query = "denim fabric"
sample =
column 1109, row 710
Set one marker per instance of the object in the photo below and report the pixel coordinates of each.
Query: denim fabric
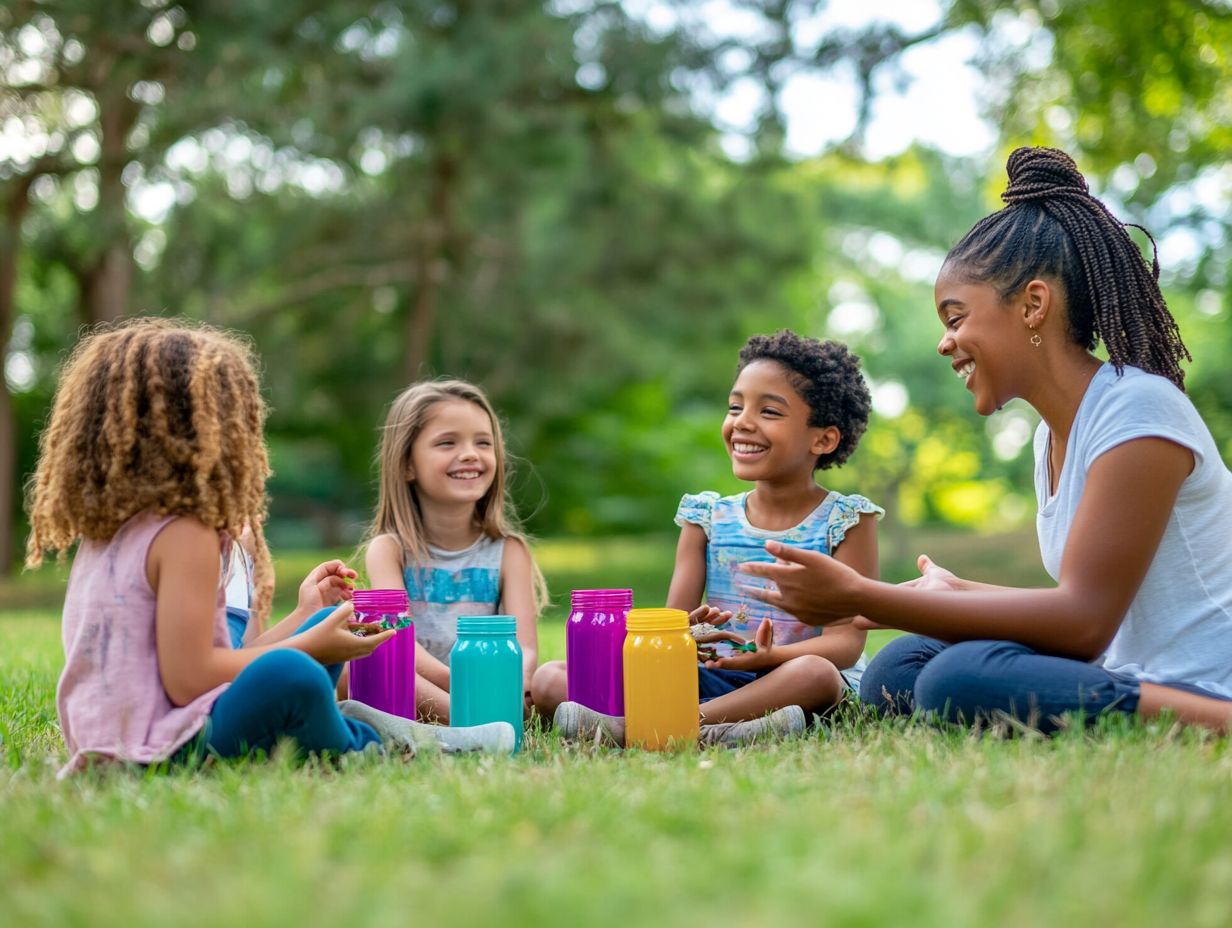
column 282, row 694
column 975, row 680
column 237, row 625
column 713, row 683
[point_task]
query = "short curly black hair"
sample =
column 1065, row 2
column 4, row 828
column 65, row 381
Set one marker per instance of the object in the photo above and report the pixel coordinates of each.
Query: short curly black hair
column 828, row 378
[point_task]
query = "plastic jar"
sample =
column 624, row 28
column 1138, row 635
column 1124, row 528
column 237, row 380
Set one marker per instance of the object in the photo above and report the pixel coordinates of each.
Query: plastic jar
column 594, row 649
column 485, row 673
column 660, row 671
column 385, row 679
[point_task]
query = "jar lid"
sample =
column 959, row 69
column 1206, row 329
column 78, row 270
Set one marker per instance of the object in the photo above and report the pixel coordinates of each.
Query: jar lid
column 487, row 625
column 617, row 599
column 381, row 601
column 648, row 620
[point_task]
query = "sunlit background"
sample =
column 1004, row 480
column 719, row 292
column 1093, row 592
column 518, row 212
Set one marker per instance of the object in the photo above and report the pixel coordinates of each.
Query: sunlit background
column 586, row 207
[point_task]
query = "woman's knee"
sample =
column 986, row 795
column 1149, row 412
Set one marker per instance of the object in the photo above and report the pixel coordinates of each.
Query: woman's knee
column 967, row 678
column 889, row 680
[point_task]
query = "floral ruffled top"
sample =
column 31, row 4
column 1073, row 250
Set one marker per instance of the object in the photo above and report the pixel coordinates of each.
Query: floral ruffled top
column 733, row 541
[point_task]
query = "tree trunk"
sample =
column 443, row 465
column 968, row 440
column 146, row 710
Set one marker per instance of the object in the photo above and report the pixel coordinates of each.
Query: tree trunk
column 10, row 243
column 106, row 285
column 431, row 266
column 8, row 469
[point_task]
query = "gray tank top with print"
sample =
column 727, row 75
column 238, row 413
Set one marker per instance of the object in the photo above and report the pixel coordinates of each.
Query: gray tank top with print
column 450, row 584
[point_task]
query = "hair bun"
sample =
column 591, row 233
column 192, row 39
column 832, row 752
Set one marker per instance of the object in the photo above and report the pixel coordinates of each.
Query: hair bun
column 1042, row 173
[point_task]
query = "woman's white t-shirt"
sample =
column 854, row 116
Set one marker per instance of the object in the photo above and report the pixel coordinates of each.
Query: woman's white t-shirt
column 1179, row 626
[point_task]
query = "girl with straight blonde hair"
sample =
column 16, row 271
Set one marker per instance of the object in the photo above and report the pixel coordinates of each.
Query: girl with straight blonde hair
column 152, row 463
column 446, row 530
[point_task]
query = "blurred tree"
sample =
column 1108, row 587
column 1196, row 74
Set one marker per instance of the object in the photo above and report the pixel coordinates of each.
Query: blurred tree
column 1142, row 98
column 79, row 102
column 1149, row 89
column 535, row 196
column 567, row 205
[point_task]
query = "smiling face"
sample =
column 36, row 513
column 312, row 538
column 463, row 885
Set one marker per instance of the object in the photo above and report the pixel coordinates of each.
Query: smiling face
column 453, row 458
column 767, row 431
column 985, row 340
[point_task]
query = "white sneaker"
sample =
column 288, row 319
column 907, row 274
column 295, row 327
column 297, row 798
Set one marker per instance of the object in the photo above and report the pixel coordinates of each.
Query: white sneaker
column 576, row 722
column 410, row 737
column 777, row 725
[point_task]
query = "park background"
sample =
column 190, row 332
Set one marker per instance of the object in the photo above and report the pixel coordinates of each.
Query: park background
column 587, row 207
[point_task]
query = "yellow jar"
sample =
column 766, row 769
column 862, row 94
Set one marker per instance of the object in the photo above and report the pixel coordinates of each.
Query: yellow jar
column 660, row 671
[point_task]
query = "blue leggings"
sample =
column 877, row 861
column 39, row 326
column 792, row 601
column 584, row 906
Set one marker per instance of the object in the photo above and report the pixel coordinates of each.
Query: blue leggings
column 282, row 694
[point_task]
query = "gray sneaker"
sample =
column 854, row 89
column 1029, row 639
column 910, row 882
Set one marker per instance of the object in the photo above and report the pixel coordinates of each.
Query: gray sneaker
column 777, row 725
column 576, row 722
column 410, row 737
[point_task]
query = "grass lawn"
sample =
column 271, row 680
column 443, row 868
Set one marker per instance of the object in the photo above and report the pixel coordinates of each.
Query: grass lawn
column 877, row 824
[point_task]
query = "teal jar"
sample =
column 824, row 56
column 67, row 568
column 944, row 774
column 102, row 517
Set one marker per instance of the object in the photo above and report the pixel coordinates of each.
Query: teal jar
column 485, row 673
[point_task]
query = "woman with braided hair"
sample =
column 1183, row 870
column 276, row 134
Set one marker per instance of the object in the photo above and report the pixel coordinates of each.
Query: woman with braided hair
column 1135, row 503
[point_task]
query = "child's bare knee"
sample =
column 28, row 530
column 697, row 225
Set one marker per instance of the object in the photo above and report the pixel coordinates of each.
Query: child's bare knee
column 549, row 683
column 811, row 665
column 816, row 676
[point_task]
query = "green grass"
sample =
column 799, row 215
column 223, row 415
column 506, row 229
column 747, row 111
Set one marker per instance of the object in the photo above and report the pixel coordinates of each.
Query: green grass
column 880, row 824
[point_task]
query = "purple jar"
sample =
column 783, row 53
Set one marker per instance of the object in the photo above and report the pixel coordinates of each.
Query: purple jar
column 594, row 649
column 385, row 679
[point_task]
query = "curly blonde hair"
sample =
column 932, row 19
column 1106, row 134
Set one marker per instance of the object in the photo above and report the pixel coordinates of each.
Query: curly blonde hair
column 159, row 416
column 397, row 508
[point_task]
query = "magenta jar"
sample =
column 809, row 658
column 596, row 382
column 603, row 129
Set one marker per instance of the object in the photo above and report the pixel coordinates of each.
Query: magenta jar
column 385, row 679
column 594, row 649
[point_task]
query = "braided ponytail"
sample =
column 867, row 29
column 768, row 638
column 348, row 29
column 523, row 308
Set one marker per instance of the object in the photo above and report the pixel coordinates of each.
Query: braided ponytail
column 1051, row 225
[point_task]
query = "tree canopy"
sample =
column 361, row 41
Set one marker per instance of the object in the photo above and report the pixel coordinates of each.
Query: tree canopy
column 539, row 197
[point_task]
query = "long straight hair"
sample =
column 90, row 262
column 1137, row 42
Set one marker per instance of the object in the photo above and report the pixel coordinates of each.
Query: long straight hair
column 398, row 510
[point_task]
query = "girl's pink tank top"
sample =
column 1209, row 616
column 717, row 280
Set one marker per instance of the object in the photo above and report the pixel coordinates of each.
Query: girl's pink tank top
column 110, row 698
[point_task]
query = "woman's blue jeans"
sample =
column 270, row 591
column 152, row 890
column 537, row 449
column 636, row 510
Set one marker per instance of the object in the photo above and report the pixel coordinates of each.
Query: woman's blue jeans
column 985, row 680
column 283, row 694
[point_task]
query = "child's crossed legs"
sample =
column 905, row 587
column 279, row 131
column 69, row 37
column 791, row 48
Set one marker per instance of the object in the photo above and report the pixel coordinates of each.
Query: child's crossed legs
column 811, row 682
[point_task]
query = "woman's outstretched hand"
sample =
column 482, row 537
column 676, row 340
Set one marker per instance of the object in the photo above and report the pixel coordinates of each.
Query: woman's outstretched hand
column 933, row 577
column 815, row 588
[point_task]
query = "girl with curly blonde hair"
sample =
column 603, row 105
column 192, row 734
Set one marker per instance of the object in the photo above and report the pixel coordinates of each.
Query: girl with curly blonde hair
column 153, row 462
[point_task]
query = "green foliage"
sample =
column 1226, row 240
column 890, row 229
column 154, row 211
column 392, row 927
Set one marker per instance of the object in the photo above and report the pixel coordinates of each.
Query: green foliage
column 1122, row 85
column 530, row 196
